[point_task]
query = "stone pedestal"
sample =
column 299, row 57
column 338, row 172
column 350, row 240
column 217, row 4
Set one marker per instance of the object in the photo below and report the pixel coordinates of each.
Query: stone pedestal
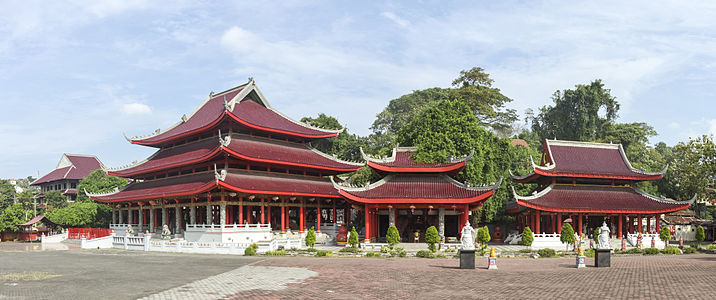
column 581, row 262
column 602, row 258
column 467, row 259
column 492, row 263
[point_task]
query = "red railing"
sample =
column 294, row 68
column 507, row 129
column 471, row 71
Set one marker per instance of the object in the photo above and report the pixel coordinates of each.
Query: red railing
column 88, row 233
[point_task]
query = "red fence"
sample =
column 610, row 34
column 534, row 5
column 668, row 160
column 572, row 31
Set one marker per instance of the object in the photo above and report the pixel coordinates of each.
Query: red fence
column 88, row 233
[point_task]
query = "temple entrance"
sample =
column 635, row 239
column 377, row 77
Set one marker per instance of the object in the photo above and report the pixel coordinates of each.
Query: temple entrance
column 383, row 224
column 416, row 222
column 452, row 228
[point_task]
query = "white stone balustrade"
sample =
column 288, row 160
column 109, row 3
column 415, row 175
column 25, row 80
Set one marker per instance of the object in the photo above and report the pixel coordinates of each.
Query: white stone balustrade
column 229, row 233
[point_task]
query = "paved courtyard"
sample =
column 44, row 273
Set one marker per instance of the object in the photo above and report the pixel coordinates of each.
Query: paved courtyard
column 117, row 274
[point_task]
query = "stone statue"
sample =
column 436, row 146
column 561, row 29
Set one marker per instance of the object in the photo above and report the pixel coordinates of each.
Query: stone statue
column 129, row 231
column 604, row 237
column 166, row 234
column 467, row 238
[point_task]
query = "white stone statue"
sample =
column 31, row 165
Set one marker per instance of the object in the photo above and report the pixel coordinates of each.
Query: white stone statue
column 166, row 234
column 467, row 238
column 129, row 231
column 604, row 237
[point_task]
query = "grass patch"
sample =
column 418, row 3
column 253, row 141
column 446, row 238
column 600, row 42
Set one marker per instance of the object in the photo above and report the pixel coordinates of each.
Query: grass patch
column 689, row 250
column 27, row 276
column 350, row 250
column 546, row 252
column 275, row 253
column 671, row 250
column 651, row 251
column 589, row 253
column 425, row 254
column 372, row 254
column 525, row 251
column 324, row 253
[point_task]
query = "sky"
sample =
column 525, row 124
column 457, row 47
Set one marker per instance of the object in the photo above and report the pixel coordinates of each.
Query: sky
column 76, row 75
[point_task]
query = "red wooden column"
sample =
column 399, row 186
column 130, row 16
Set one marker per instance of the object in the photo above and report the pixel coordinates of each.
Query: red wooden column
column 619, row 231
column 283, row 215
column 334, row 212
column 268, row 213
column 533, row 221
column 263, row 209
column 241, row 211
column 638, row 220
column 318, row 216
column 579, row 226
column 367, row 223
column 301, row 216
column 538, row 216
column 554, row 224
column 559, row 223
column 657, row 217
column 648, row 224
column 347, row 215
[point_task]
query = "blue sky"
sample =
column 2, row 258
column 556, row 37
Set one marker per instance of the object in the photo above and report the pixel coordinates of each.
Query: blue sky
column 75, row 75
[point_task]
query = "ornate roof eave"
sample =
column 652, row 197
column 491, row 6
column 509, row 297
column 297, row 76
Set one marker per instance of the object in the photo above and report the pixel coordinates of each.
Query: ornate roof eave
column 640, row 171
column 534, row 195
column 115, row 191
column 665, row 200
column 493, row 186
column 352, row 188
column 520, row 178
column 393, row 156
column 378, row 160
column 536, row 166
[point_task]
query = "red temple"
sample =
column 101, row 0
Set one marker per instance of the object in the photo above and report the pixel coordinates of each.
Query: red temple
column 413, row 196
column 592, row 183
column 234, row 160
column 66, row 176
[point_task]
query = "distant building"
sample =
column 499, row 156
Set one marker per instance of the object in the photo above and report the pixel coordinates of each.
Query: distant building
column 67, row 175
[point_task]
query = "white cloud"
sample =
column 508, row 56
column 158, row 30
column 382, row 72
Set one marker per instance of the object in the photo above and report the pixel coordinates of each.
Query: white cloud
column 238, row 39
column 674, row 125
column 136, row 109
column 398, row 20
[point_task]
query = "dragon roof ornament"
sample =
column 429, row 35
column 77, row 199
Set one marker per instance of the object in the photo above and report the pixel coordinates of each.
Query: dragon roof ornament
column 220, row 175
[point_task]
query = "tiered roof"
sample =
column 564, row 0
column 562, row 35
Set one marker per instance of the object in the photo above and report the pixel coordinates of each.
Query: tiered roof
column 71, row 166
column 244, row 104
column 585, row 160
column 182, row 145
column 591, row 161
column 409, row 181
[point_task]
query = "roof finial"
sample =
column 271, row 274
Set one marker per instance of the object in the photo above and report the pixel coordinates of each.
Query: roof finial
column 251, row 79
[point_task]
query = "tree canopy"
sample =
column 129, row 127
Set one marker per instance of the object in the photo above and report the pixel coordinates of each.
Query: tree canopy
column 82, row 214
column 12, row 216
column 345, row 146
column 98, row 182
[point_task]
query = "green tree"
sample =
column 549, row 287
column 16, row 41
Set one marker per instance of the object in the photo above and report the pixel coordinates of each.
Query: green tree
column 432, row 237
column 12, row 216
column 527, row 237
column 665, row 235
column 700, row 236
column 7, row 194
column 392, row 236
column 98, row 182
column 694, row 169
column 82, row 214
column 311, row 237
column 55, row 199
column 567, row 235
column 345, row 146
column 575, row 114
column 483, row 236
column 353, row 237
column 449, row 129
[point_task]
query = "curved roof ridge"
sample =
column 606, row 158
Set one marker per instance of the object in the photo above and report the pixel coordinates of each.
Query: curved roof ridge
column 335, row 158
column 492, row 186
column 364, row 188
column 640, row 171
column 392, row 158
column 115, row 191
column 663, row 199
column 379, row 160
column 534, row 195
column 136, row 164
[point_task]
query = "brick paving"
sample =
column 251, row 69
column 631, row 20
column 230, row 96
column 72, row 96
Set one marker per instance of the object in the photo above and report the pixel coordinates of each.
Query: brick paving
column 631, row 277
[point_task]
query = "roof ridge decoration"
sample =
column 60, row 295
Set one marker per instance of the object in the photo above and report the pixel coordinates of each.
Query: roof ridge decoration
column 211, row 96
column 134, row 163
column 353, row 188
column 663, row 199
column 451, row 160
column 335, row 157
column 225, row 141
column 220, row 175
column 637, row 190
column 482, row 187
column 115, row 191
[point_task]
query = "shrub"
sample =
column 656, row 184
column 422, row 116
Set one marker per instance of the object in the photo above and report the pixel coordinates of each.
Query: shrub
column 432, row 237
column 527, row 237
column 353, row 238
column 399, row 251
column 689, row 250
column 711, row 247
column 651, row 251
column 525, row 251
column 483, row 236
column 311, row 238
column 275, row 253
column 589, row 253
column 350, row 250
column 633, row 250
column 595, row 234
column 311, row 250
column 425, row 254
column 393, row 236
column 384, row 249
column 567, row 235
column 665, row 234
column 700, row 236
column 251, row 250
column 671, row 250
column 546, row 252
column 439, row 255
column 372, row 254
column 324, row 253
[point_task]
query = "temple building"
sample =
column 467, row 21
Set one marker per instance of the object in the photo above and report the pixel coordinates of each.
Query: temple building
column 67, row 175
column 587, row 184
column 233, row 165
column 414, row 196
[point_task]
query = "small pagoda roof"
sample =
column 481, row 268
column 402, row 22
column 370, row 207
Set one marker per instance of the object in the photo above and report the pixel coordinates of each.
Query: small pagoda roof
column 71, row 166
column 249, row 182
column 402, row 162
column 597, row 199
column 418, row 188
column 586, row 160
column 250, row 148
column 246, row 105
column 36, row 220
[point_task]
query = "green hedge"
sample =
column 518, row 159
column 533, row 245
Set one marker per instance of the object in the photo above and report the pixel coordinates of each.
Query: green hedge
column 671, row 250
column 324, row 253
column 546, row 252
column 351, row 250
column 651, row 251
column 425, row 254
